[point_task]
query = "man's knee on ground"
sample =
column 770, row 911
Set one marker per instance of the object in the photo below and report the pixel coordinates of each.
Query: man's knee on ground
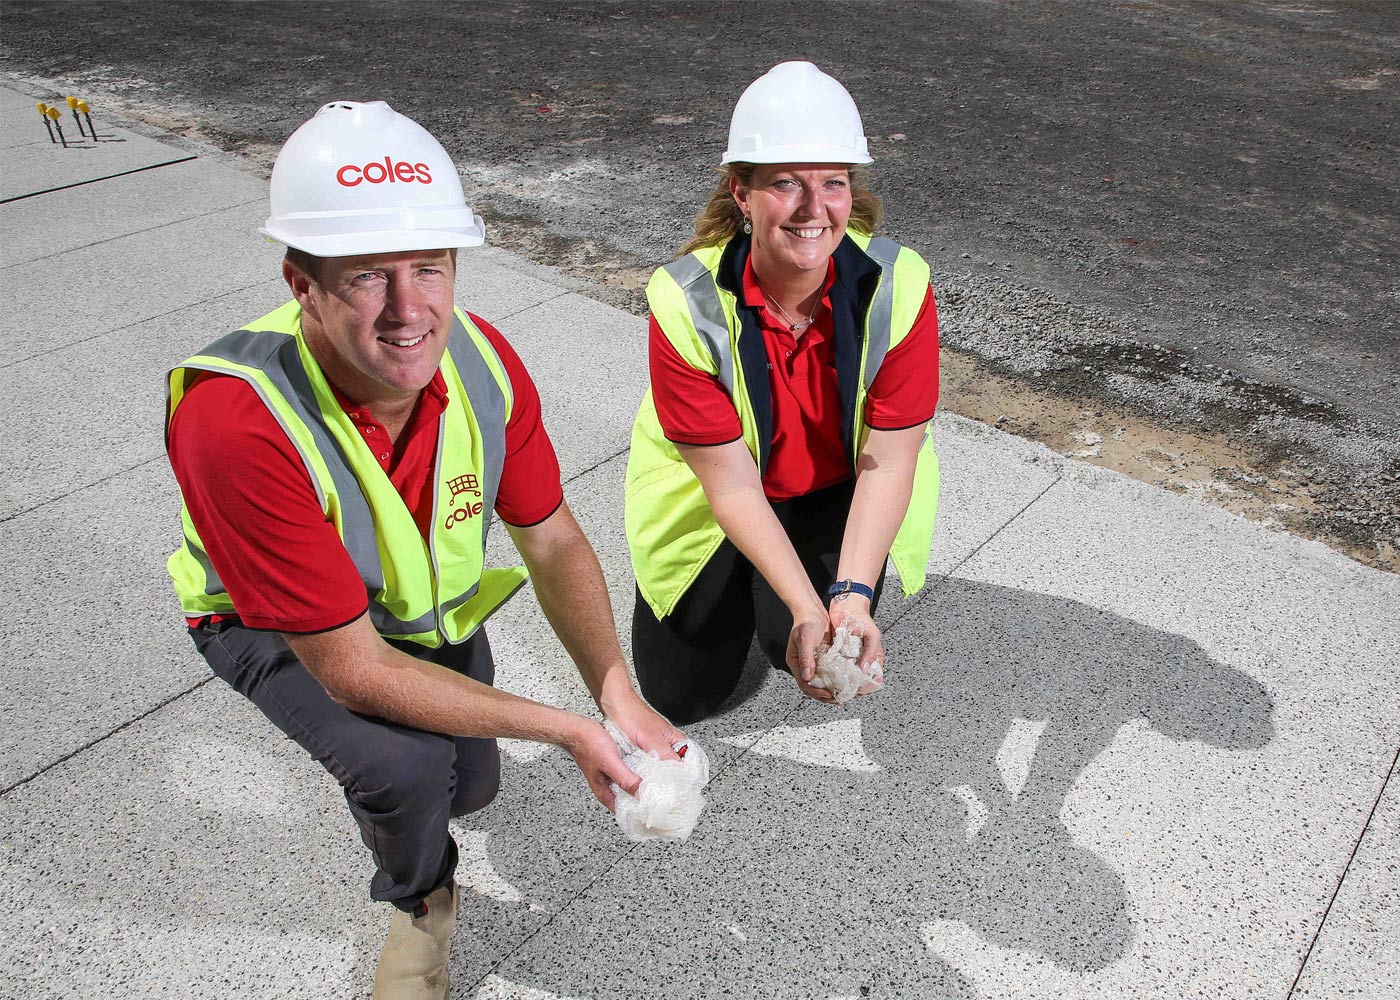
column 412, row 773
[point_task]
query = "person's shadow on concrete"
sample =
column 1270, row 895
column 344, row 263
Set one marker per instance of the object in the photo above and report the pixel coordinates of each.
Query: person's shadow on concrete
column 938, row 802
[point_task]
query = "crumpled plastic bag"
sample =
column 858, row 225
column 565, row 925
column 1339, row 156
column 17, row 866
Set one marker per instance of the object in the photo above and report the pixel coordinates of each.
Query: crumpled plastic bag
column 837, row 671
column 668, row 803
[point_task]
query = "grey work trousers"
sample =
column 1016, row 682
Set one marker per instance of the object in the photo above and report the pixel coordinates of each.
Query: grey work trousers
column 402, row 784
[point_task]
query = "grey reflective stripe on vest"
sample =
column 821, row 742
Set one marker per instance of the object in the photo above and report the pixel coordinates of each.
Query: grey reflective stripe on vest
column 489, row 405
column 275, row 354
column 877, row 321
column 706, row 313
column 212, row 583
column 386, row 624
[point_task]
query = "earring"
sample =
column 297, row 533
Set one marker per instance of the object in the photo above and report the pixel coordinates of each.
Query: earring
column 748, row 226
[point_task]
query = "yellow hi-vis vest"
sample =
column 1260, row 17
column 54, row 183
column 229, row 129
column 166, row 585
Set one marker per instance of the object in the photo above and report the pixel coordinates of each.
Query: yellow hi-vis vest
column 880, row 288
column 425, row 592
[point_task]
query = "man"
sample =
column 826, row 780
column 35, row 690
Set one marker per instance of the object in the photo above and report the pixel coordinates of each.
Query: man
column 339, row 460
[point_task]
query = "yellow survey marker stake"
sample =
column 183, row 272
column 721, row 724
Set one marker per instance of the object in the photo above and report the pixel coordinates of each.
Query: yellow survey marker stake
column 87, row 113
column 73, row 107
column 44, row 114
column 54, row 115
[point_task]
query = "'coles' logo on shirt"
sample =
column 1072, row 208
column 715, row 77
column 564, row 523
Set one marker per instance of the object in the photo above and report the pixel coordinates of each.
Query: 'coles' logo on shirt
column 377, row 173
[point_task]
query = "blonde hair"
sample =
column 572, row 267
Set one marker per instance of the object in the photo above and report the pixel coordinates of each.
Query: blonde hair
column 721, row 220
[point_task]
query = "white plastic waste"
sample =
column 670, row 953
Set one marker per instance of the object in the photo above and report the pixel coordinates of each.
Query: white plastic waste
column 837, row 669
column 668, row 803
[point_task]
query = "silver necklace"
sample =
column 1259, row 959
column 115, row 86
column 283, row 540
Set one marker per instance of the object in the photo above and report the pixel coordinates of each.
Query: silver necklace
column 795, row 325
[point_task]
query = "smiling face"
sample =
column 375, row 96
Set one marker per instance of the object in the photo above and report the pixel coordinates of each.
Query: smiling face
column 799, row 213
column 377, row 324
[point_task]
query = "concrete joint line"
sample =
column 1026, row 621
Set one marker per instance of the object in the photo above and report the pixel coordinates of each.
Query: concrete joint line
column 598, row 465
column 134, row 232
column 97, row 180
column 1346, row 869
column 85, row 486
column 931, row 588
column 608, row 869
column 511, row 315
column 567, row 903
column 93, row 742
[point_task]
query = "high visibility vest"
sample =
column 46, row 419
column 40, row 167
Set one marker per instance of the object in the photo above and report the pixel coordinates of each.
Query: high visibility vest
column 879, row 291
column 428, row 592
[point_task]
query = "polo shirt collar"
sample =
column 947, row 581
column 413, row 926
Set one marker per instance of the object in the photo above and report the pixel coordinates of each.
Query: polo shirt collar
column 432, row 401
column 853, row 269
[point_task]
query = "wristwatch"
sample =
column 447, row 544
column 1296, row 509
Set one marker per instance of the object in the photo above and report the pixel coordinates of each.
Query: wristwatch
column 843, row 587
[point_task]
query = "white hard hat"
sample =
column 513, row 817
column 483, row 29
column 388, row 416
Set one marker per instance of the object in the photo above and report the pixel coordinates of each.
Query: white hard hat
column 795, row 113
column 362, row 178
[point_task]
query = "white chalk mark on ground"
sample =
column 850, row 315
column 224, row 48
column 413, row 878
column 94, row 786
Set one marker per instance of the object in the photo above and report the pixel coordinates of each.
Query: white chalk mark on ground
column 475, row 871
column 977, row 811
column 831, row 744
column 995, row 971
column 495, row 987
column 734, row 929
column 1017, row 751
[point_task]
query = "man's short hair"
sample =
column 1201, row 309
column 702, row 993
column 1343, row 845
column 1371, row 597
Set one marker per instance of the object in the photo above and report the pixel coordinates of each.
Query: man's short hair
column 307, row 264
column 310, row 265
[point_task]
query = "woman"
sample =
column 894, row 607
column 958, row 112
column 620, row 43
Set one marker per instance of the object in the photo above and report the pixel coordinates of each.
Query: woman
column 794, row 371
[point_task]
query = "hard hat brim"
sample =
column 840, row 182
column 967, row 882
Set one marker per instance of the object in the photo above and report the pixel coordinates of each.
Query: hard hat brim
column 387, row 241
column 798, row 154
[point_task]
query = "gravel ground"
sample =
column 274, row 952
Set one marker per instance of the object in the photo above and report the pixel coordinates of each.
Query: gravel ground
column 1163, row 235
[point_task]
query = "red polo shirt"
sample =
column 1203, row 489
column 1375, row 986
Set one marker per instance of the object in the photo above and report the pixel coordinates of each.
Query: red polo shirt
column 807, row 452
column 254, row 506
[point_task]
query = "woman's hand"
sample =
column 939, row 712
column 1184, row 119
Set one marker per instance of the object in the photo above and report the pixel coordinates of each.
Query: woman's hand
column 853, row 612
column 809, row 630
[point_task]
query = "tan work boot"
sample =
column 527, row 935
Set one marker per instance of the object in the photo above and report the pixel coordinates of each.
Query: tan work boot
column 413, row 961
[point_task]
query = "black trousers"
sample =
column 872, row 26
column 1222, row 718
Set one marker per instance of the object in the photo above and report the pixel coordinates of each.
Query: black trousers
column 402, row 784
column 689, row 662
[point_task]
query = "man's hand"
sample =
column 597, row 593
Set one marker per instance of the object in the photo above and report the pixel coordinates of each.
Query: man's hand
column 810, row 629
column 853, row 612
column 597, row 757
column 643, row 725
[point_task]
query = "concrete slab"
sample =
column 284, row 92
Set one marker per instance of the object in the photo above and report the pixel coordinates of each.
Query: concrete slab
column 33, row 165
column 13, row 100
column 589, row 361
column 65, row 300
column 205, row 857
column 1358, row 951
column 147, row 201
column 988, row 477
column 1049, row 800
column 100, row 412
column 93, row 627
column 494, row 291
column 1218, row 790
column 262, row 885
column 243, row 826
